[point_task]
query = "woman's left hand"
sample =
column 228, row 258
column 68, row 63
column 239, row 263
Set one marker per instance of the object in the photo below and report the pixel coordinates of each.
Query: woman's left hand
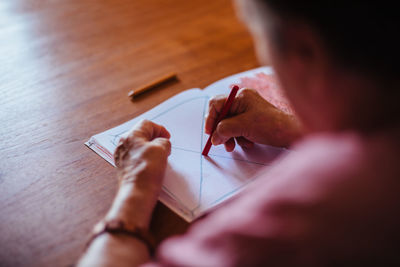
column 141, row 156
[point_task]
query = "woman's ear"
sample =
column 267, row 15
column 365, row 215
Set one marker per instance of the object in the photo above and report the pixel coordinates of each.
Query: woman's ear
column 301, row 50
column 303, row 66
column 300, row 57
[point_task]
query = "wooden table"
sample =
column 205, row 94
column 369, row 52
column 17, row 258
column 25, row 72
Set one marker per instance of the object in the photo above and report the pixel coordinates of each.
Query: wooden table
column 65, row 70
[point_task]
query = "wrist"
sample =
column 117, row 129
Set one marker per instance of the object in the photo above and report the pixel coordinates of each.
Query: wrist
column 144, row 174
column 133, row 205
column 281, row 129
column 295, row 129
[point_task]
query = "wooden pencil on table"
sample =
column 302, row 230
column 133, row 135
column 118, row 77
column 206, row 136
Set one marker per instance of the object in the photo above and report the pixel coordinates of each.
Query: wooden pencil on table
column 161, row 80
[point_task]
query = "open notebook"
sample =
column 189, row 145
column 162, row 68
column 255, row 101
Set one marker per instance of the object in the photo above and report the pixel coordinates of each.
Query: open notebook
column 193, row 183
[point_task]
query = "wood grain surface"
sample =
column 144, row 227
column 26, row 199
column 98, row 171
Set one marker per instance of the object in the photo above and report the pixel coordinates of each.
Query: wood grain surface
column 65, row 70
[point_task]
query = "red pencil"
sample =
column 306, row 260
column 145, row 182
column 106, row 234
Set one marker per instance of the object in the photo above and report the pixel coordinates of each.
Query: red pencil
column 222, row 115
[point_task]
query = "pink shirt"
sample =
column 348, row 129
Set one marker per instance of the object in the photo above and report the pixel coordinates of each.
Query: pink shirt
column 333, row 200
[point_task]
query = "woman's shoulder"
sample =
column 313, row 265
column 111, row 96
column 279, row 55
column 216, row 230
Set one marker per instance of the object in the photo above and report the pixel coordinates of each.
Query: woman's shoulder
column 329, row 158
column 350, row 150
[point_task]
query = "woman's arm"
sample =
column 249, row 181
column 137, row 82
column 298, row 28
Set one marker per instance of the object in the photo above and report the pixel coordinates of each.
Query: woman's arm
column 107, row 249
column 141, row 159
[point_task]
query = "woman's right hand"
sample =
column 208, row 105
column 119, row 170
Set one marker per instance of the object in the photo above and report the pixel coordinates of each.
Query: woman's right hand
column 251, row 119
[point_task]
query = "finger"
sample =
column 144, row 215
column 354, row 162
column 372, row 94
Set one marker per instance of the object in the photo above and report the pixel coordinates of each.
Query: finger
column 214, row 108
column 163, row 143
column 228, row 128
column 230, row 145
column 120, row 151
column 243, row 142
column 241, row 103
column 147, row 130
column 160, row 131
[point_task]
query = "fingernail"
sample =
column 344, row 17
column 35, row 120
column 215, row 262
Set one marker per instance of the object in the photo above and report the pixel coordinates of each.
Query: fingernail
column 215, row 140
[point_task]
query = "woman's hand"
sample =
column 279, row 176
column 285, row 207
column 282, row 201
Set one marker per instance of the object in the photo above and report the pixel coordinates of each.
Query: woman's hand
column 141, row 156
column 251, row 120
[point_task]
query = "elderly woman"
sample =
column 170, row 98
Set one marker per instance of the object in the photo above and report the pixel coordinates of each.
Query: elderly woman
column 333, row 202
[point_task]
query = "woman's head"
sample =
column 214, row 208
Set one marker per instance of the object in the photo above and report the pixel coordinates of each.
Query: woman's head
column 333, row 58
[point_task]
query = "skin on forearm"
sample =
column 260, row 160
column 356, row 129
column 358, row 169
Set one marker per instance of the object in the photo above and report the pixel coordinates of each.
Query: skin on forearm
column 115, row 250
column 133, row 205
